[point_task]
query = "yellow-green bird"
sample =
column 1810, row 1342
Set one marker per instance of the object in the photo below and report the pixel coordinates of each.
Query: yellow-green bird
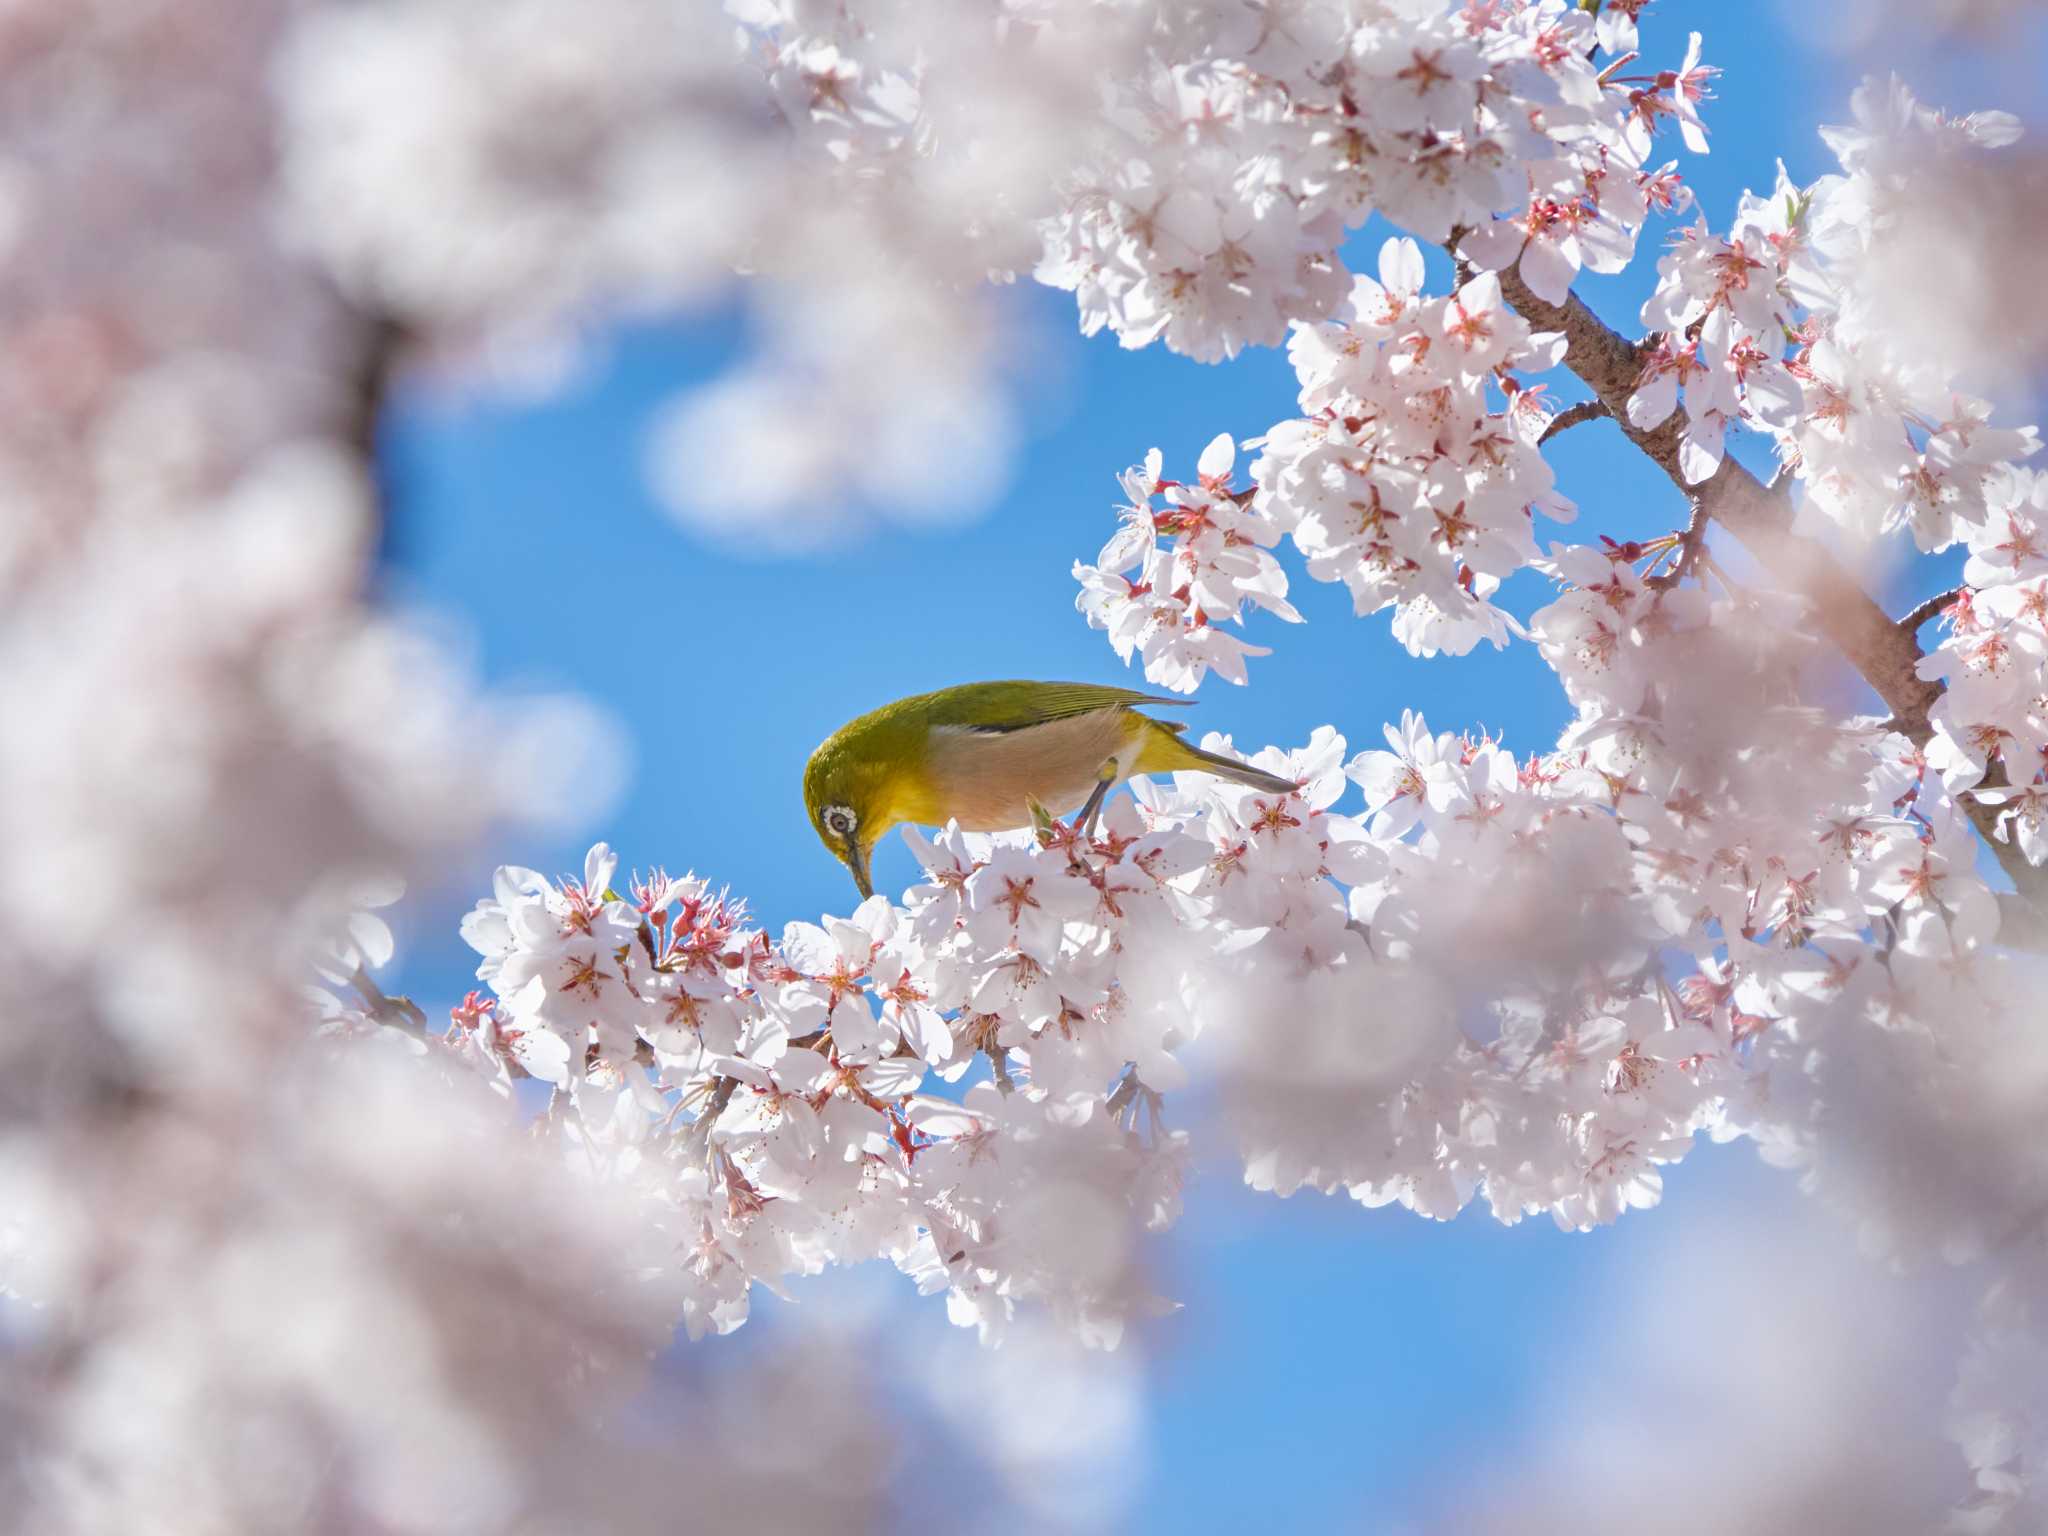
column 984, row 754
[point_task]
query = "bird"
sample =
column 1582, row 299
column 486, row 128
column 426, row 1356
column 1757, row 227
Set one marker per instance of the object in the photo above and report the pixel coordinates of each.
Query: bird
column 990, row 756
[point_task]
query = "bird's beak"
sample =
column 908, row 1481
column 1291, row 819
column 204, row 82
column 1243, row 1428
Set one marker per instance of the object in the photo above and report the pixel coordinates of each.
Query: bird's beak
column 857, row 861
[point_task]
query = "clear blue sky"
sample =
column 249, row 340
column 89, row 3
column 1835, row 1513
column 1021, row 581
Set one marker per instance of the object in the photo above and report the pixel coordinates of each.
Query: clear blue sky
column 1333, row 1363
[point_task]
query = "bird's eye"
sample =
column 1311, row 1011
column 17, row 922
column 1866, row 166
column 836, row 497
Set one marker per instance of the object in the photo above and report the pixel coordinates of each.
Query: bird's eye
column 839, row 821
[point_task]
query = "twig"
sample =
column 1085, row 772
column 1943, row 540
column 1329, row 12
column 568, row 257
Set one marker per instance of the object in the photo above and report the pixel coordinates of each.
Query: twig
column 381, row 343
column 1692, row 547
column 1571, row 416
column 392, row 1012
column 1932, row 608
column 721, row 1095
column 1729, row 583
column 1126, row 1091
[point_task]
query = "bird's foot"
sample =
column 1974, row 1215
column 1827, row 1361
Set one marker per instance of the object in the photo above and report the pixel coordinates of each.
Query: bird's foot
column 1043, row 822
column 1091, row 813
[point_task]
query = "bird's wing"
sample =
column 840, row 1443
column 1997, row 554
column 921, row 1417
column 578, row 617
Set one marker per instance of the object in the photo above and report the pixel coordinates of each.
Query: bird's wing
column 1015, row 706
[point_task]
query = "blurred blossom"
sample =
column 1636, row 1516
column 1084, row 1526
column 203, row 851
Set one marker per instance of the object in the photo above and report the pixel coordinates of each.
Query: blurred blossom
column 1961, row 232
column 1868, row 24
column 1997, row 1415
column 269, row 1256
column 865, row 400
column 498, row 189
column 471, row 166
column 1970, row 233
column 1750, row 1373
column 1060, row 1426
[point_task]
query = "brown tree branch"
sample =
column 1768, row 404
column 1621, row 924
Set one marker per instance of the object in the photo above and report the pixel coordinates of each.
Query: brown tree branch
column 1570, row 417
column 722, row 1090
column 1759, row 515
column 1126, row 1091
column 1885, row 653
column 381, row 344
column 1932, row 608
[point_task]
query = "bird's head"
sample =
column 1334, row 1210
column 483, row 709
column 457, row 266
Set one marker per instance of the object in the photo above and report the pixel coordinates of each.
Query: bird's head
column 846, row 796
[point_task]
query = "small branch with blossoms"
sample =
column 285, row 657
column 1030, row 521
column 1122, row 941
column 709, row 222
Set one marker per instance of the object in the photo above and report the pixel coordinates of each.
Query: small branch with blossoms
column 1885, row 652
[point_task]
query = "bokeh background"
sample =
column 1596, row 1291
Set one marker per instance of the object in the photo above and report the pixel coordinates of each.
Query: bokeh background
column 1332, row 1367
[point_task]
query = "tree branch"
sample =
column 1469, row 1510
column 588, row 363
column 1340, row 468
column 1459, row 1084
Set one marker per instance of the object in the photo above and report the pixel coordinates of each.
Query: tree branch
column 1570, row 417
column 1887, row 654
column 381, row 347
column 392, row 1012
column 1934, row 606
column 1126, row 1091
column 722, row 1090
column 1759, row 515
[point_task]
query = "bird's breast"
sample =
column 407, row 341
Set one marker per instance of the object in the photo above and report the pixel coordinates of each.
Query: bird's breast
column 986, row 780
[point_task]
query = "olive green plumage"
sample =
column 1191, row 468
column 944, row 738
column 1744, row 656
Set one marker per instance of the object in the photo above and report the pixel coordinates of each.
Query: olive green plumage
column 984, row 754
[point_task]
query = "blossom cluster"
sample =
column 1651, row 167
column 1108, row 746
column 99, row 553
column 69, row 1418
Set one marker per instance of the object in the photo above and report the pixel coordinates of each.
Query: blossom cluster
column 1212, row 214
column 1400, row 480
column 1163, row 601
column 783, row 1104
column 1993, row 664
column 1387, row 1000
column 1888, row 438
column 1776, row 929
column 768, row 1094
column 1778, row 326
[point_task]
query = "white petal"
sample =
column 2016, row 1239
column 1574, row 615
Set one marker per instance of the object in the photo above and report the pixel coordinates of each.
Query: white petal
column 1993, row 130
column 1773, row 396
column 809, row 948
column 1548, row 271
column 893, row 1078
column 1699, row 451
column 372, row 938
column 1493, row 246
column 543, row 1053
column 1217, row 458
column 1401, row 267
column 941, row 1117
column 1655, row 398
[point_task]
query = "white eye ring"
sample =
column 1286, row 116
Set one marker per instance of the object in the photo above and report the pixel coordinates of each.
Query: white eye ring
column 839, row 820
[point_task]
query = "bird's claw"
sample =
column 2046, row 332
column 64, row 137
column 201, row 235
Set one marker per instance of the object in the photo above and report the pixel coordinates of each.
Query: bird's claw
column 1043, row 821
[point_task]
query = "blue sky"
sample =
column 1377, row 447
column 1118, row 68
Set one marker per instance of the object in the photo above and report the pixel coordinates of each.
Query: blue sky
column 1333, row 1364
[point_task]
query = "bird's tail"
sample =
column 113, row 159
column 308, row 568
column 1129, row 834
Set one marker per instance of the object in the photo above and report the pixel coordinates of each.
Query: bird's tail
column 1174, row 754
